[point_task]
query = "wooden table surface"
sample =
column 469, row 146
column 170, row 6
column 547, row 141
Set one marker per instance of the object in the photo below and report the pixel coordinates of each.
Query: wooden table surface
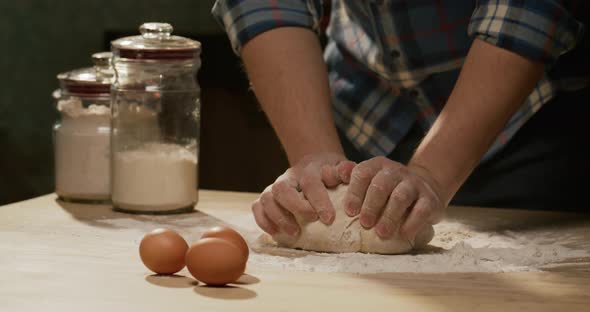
column 57, row 256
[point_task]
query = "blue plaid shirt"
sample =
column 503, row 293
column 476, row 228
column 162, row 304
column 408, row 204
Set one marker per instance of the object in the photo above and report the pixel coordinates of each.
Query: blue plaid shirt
column 393, row 63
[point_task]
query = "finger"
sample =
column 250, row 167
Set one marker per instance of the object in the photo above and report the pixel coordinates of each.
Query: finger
column 315, row 192
column 378, row 194
column 344, row 169
column 262, row 220
column 285, row 195
column 278, row 215
column 418, row 217
column 391, row 219
column 401, row 198
column 330, row 176
column 360, row 178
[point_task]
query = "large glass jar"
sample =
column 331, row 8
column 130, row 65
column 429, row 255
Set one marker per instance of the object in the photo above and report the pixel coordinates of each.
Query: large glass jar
column 81, row 136
column 155, row 120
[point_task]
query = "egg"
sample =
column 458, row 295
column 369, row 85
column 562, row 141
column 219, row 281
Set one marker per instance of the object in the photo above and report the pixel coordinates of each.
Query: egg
column 163, row 251
column 229, row 235
column 215, row 261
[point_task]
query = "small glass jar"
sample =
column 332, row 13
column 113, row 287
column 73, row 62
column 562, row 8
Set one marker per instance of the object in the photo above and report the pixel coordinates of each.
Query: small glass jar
column 82, row 134
column 155, row 120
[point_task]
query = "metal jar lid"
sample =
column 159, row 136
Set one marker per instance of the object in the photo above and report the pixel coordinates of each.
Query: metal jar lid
column 156, row 43
column 89, row 81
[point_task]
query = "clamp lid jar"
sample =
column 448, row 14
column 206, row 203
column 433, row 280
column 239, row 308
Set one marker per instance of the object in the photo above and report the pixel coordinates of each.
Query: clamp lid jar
column 82, row 134
column 156, row 120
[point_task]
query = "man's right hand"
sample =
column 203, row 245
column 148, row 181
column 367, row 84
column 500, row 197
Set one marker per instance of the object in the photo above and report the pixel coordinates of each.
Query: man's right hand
column 301, row 191
column 289, row 76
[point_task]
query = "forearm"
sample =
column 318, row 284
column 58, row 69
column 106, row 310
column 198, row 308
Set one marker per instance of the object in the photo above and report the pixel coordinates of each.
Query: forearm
column 289, row 78
column 491, row 87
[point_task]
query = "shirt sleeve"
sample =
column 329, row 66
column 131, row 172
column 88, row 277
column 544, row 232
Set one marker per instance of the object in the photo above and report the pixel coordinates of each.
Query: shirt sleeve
column 245, row 19
column 540, row 30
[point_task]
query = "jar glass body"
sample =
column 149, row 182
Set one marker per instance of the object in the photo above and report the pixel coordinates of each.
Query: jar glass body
column 81, row 140
column 155, row 137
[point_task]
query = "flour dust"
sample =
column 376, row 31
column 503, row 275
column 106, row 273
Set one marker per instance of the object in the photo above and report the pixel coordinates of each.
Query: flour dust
column 456, row 247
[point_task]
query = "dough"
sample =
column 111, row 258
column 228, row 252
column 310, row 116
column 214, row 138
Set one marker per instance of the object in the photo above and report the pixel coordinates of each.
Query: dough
column 347, row 235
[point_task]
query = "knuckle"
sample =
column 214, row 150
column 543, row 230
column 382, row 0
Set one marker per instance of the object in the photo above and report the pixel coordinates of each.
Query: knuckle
column 416, row 181
column 346, row 165
column 402, row 170
column 388, row 219
column 370, row 213
column 266, row 198
column 422, row 211
column 382, row 159
column 267, row 189
column 285, row 223
column 389, row 172
column 255, row 206
column 262, row 222
column 394, row 173
column 360, row 174
column 378, row 188
column 326, row 171
column 306, row 181
column 372, row 203
column 299, row 208
column 401, row 197
column 279, row 189
column 328, row 168
column 279, row 186
column 278, row 218
column 282, row 222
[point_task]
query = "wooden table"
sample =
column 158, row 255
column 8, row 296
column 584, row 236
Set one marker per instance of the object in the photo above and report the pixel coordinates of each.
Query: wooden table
column 57, row 256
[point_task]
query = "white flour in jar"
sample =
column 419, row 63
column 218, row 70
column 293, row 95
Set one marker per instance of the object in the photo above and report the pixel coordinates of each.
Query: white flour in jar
column 82, row 151
column 155, row 177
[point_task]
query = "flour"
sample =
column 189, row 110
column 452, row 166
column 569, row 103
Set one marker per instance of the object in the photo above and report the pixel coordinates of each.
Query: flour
column 73, row 108
column 82, row 150
column 155, row 177
column 456, row 247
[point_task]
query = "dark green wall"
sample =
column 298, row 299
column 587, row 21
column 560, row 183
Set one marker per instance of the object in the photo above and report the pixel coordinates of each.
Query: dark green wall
column 39, row 39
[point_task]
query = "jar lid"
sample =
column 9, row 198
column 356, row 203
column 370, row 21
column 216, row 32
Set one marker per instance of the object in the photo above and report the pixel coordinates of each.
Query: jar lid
column 90, row 80
column 156, row 43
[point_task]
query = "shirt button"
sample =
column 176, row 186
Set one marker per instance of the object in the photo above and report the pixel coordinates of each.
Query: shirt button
column 395, row 53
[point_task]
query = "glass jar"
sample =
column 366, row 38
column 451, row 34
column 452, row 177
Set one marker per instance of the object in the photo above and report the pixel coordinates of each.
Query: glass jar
column 82, row 134
column 156, row 121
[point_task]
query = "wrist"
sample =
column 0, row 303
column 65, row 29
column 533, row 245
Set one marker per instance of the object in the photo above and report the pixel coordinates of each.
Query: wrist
column 312, row 146
column 442, row 189
column 312, row 155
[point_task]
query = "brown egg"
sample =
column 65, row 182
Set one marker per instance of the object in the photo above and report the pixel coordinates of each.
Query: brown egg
column 163, row 251
column 215, row 261
column 229, row 235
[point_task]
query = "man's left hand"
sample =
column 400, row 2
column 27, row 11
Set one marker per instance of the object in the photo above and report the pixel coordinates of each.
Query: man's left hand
column 393, row 197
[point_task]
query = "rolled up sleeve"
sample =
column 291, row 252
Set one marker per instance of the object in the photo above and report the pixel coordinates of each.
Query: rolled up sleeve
column 245, row 19
column 540, row 30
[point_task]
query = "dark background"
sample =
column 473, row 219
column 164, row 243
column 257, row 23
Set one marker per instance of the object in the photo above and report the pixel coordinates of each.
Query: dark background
column 41, row 38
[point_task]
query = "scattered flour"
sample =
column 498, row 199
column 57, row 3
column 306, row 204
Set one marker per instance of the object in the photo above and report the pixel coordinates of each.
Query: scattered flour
column 456, row 247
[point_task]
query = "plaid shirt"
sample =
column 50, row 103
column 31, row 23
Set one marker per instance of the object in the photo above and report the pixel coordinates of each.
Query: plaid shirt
column 393, row 63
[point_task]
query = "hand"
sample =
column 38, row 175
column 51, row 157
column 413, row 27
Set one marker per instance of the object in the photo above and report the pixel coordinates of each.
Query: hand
column 392, row 197
column 301, row 191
